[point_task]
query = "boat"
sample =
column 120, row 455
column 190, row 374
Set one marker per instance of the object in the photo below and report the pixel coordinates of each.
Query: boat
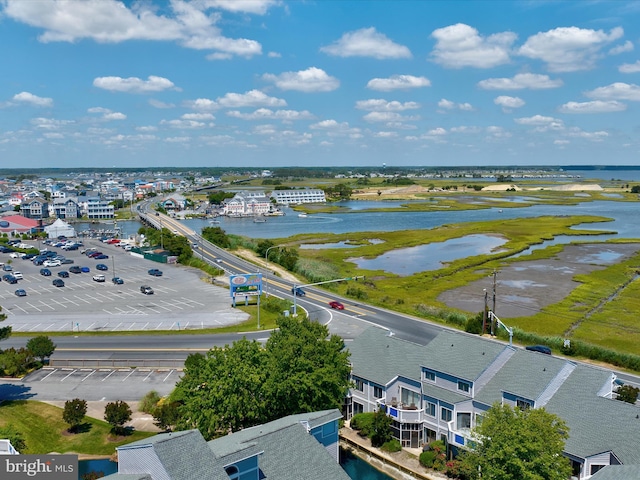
column 214, row 222
column 259, row 220
column 302, row 215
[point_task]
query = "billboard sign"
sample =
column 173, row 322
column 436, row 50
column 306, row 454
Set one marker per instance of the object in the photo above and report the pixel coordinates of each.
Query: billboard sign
column 247, row 284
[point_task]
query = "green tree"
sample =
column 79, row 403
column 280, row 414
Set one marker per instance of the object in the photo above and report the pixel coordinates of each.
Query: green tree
column 117, row 414
column 41, row 347
column 263, row 246
column 627, row 393
column 308, row 369
column 166, row 415
column 74, row 413
column 217, row 236
column 14, row 363
column 222, row 392
column 518, row 444
column 300, row 369
column 380, row 432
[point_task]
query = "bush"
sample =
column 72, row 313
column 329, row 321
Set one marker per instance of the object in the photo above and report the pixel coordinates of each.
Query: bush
column 474, row 324
column 362, row 422
column 392, row 445
column 427, row 458
column 149, row 402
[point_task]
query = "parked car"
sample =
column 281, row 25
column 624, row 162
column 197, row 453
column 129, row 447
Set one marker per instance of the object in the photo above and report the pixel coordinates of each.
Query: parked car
column 10, row 278
column 58, row 282
column 102, row 256
column 75, row 269
column 18, row 275
column 98, row 278
column 45, row 272
column 102, row 266
column 21, row 292
column 85, row 269
column 93, row 254
column 67, row 261
column 146, row 289
column 117, row 281
column 52, row 263
column 298, row 292
column 63, row 274
column 7, row 268
column 336, row 305
column 539, row 348
column 155, row 272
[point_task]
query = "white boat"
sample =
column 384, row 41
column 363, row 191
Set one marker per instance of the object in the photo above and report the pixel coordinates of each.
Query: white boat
column 302, row 215
column 214, row 222
column 259, row 220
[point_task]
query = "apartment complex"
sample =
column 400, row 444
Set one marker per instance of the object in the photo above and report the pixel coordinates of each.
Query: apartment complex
column 443, row 389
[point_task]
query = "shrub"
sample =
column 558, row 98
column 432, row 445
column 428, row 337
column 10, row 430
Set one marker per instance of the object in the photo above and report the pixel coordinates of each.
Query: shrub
column 392, row 445
column 362, row 422
column 427, row 458
column 149, row 402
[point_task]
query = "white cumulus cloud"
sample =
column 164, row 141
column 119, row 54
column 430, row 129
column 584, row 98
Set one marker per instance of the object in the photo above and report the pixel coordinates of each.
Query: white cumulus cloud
column 616, row 91
column 625, row 47
column 595, row 106
column 366, row 42
column 521, row 81
column 134, row 84
column 190, row 24
column 252, row 98
column 310, row 80
column 267, row 114
column 381, row 105
column 461, row 45
column 398, row 82
column 629, row 67
column 569, row 49
column 449, row 105
column 31, row 99
column 508, row 103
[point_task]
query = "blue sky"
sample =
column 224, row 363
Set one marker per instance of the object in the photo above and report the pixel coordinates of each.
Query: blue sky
column 269, row 83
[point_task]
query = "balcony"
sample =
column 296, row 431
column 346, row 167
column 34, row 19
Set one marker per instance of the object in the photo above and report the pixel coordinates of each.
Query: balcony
column 7, row 449
column 403, row 413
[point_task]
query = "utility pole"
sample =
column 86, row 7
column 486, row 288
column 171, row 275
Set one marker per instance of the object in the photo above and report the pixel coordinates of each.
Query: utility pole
column 493, row 309
column 484, row 312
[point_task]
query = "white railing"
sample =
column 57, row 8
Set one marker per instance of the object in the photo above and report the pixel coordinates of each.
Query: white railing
column 7, row 449
column 405, row 414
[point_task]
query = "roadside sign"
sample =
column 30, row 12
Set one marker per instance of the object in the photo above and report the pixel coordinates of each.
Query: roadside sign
column 247, row 284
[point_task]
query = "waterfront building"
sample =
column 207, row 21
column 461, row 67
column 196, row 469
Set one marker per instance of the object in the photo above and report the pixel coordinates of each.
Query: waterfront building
column 442, row 390
column 295, row 196
column 296, row 447
column 245, row 204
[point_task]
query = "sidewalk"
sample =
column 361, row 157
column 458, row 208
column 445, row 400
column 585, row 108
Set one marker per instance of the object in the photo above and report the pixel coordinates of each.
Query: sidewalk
column 401, row 465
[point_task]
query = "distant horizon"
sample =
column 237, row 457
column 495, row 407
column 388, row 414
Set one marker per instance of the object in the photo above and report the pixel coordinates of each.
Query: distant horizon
column 117, row 84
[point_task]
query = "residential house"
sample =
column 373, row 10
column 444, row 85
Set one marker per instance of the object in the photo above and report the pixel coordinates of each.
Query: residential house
column 35, row 207
column 443, row 389
column 295, row 196
column 174, row 203
column 65, row 207
column 96, row 208
column 297, row 447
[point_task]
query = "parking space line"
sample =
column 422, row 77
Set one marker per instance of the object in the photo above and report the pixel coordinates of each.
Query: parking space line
column 194, row 302
column 168, row 375
column 131, row 373
column 82, row 299
column 147, row 377
column 72, row 372
column 92, row 372
column 71, row 301
column 111, row 373
column 33, row 306
column 59, row 303
column 49, row 374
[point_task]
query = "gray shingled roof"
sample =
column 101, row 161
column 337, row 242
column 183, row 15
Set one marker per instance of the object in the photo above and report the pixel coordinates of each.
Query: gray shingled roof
column 380, row 358
column 618, row 472
column 525, row 374
column 460, row 355
column 596, row 424
column 128, row 476
column 289, row 451
column 186, row 457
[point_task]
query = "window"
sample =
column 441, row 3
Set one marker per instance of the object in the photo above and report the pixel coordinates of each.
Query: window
column 357, row 408
column 464, row 421
column 596, row 468
column 232, row 471
column 359, row 384
column 430, row 376
column 479, row 419
column 445, row 414
column 409, row 398
column 523, row 404
column 377, row 392
column 463, row 386
column 431, row 409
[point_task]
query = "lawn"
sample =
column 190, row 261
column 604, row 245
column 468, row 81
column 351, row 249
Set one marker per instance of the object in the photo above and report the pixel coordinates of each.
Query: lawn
column 44, row 431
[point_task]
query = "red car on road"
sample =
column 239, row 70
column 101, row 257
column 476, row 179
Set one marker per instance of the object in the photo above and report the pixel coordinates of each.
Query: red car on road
column 336, row 305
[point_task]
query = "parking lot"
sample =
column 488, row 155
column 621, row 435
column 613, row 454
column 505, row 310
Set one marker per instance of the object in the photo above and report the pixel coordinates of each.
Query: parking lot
column 183, row 298
column 99, row 384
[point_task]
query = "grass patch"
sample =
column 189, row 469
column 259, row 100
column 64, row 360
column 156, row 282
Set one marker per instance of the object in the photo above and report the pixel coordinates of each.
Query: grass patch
column 44, row 430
